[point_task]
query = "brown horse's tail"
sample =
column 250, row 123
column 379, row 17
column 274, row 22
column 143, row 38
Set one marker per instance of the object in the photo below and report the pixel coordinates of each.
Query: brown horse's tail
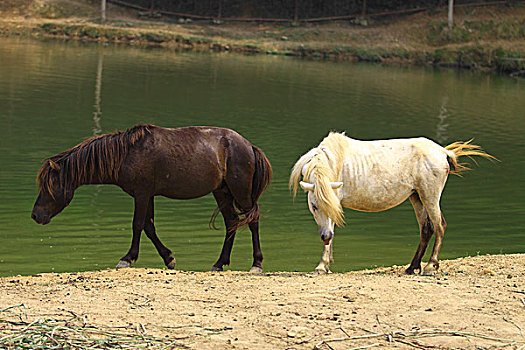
column 461, row 148
column 262, row 176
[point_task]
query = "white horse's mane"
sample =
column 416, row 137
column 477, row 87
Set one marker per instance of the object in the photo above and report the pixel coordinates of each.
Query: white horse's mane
column 322, row 165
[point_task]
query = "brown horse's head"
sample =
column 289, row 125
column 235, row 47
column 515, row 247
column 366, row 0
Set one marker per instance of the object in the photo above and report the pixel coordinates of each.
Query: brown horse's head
column 54, row 195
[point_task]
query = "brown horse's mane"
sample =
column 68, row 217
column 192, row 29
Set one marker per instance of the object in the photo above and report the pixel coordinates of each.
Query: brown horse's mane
column 99, row 156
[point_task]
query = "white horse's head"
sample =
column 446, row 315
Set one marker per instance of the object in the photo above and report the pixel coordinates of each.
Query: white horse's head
column 320, row 170
column 318, row 207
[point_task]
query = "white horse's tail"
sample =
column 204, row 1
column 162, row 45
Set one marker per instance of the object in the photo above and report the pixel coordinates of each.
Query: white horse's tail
column 461, row 148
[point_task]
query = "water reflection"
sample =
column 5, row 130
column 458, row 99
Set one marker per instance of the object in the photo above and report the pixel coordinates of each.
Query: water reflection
column 442, row 126
column 97, row 128
column 97, row 113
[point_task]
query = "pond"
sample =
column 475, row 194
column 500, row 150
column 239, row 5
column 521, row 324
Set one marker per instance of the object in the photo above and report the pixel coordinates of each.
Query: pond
column 55, row 94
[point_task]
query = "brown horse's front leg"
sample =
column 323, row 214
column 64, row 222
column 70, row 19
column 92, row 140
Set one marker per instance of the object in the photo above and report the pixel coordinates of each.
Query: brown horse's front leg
column 149, row 229
column 141, row 206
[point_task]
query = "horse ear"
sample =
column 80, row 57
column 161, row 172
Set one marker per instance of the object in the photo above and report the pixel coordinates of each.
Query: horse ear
column 336, row 185
column 303, row 171
column 54, row 165
column 306, row 186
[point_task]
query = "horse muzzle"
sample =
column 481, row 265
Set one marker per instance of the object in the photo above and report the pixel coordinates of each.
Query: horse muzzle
column 41, row 218
column 326, row 235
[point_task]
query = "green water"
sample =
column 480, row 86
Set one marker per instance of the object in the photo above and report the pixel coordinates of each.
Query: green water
column 50, row 100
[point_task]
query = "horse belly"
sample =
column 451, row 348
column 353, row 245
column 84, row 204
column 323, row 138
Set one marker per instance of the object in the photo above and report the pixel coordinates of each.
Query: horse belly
column 375, row 196
column 187, row 181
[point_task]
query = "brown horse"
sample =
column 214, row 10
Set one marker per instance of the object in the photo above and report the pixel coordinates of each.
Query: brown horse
column 181, row 163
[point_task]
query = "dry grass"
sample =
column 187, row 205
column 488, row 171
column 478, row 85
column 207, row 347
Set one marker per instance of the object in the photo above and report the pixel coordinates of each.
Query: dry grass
column 72, row 333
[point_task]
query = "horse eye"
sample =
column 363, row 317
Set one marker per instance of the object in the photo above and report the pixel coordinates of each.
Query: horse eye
column 314, row 208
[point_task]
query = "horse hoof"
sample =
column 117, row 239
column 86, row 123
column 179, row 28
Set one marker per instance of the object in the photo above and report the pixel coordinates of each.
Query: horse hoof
column 321, row 272
column 410, row 271
column 122, row 264
column 171, row 264
column 256, row 269
column 215, row 268
column 430, row 270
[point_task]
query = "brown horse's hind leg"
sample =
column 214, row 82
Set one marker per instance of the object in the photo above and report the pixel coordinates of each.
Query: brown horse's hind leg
column 251, row 210
column 425, row 233
column 248, row 173
column 257, row 253
column 141, row 206
column 149, row 229
column 225, row 202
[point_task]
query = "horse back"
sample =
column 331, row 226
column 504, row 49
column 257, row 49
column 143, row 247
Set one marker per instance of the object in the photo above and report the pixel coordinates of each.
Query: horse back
column 185, row 163
column 379, row 175
column 409, row 155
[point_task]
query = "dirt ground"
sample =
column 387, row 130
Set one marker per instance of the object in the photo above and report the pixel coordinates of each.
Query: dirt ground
column 473, row 303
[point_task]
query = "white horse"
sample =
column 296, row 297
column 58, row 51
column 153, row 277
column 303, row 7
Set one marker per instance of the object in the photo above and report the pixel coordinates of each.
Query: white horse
column 377, row 175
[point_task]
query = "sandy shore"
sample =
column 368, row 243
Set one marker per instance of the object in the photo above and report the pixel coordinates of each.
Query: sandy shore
column 473, row 303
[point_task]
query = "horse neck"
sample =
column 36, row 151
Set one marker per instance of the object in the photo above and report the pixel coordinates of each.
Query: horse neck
column 97, row 180
column 94, row 179
column 92, row 168
column 333, row 161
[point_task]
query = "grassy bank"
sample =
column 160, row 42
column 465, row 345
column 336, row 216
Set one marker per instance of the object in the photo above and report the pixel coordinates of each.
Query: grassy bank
column 489, row 38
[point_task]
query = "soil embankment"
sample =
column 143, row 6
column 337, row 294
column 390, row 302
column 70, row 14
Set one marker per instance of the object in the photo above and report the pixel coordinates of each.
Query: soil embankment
column 487, row 38
column 473, row 303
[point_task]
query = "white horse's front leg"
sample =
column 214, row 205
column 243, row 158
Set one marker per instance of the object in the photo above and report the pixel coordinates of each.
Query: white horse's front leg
column 326, row 259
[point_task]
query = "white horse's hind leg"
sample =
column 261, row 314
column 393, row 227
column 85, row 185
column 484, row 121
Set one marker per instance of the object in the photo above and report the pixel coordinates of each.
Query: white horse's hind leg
column 430, row 195
column 326, row 259
column 438, row 221
column 439, row 228
column 425, row 233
